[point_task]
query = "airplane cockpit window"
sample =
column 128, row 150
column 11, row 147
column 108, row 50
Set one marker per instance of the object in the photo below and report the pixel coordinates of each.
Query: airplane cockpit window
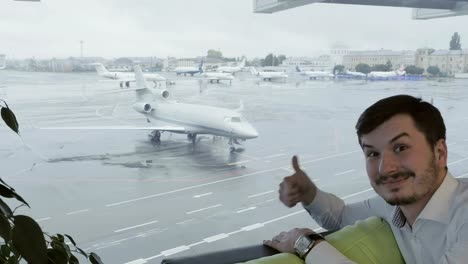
column 236, row 119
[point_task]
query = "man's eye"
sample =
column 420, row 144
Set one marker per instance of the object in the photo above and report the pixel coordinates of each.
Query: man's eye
column 400, row 148
column 372, row 154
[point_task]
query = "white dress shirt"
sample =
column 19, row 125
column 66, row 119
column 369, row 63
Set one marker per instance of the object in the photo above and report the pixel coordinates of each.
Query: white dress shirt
column 438, row 235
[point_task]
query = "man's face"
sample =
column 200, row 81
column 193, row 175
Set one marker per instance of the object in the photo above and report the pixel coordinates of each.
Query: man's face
column 402, row 167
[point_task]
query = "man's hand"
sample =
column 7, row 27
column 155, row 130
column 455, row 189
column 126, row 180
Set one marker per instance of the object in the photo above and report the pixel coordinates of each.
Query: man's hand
column 284, row 242
column 297, row 187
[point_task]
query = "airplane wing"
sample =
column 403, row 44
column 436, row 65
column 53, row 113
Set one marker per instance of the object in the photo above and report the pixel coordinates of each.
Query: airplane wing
column 160, row 128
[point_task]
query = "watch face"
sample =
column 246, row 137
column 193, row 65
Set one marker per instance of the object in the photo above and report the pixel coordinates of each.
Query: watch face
column 303, row 244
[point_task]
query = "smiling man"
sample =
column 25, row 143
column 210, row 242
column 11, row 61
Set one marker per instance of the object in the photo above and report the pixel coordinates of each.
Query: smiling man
column 403, row 140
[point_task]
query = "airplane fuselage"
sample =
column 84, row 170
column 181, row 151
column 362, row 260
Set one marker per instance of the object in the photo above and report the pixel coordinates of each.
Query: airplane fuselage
column 201, row 119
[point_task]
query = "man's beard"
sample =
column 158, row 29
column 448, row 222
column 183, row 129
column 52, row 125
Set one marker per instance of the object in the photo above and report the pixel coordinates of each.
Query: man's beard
column 429, row 176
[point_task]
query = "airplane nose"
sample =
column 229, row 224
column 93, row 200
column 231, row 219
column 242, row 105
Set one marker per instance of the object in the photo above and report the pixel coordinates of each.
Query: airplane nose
column 251, row 133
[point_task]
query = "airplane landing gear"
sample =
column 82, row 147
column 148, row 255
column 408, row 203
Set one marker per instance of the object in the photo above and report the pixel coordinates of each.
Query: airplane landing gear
column 155, row 137
column 192, row 137
column 232, row 149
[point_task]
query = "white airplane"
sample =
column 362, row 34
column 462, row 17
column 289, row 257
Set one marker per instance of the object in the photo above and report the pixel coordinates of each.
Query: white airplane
column 351, row 75
column 269, row 75
column 190, row 119
column 315, row 75
column 387, row 75
column 232, row 70
column 125, row 77
column 218, row 76
column 2, row 62
column 189, row 70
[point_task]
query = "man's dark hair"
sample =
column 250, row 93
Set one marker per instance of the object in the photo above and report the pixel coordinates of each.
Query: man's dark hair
column 426, row 117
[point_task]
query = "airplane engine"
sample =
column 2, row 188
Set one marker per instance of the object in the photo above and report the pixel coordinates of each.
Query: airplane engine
column 143, row 108
column 164, row 94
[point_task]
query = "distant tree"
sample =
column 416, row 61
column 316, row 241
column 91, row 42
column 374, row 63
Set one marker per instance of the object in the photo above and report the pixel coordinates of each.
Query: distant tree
column 281, row 58
column 433, row 70
column 364, row 68
column 455, row 42
column 214, row 54
column 413, row 70
column 338, row 69
column 380, row 67
column 269, row 60
column 389, row 65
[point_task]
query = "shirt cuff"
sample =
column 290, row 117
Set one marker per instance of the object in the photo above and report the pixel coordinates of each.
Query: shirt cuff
column 324, row 252
column 316, row 206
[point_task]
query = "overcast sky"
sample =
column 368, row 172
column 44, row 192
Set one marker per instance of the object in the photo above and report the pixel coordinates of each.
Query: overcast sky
column 187, row 28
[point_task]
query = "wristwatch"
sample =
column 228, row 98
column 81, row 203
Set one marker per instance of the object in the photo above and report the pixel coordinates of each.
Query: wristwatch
column 305, row 243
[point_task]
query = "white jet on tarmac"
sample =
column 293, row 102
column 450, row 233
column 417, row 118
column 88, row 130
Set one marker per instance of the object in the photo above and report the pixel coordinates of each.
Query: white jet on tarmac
column 126, row 77
column 232, row 69
column 268, row 75
column 190, row 119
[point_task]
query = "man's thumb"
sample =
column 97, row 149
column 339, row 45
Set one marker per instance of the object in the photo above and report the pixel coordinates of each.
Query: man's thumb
column 295, row 164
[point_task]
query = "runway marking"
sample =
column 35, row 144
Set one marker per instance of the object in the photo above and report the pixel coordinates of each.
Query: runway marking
column 78, row 212
column 201, row 195
column 267, row 201
column 274, row 156
column 354, row 194
column 184, row 222
column 247, row 209
column 329, row 157
column 252, row 227
column 191, row 187
column 255, row 195
column 215, row 238
column 174, row 250
column 43, row 219
column 137, row 261
column 344, row 172
column 285, row 216
column 127, row 228
column 206, row 208
column 238, row 162
column 461, row 176
column 457, row 161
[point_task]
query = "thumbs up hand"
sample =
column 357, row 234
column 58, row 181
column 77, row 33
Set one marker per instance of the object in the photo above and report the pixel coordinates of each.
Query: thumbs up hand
column 297, row 187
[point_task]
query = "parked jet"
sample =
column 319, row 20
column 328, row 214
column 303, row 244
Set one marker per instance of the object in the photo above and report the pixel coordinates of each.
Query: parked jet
column 351, row 75
column 268, row 75
column 232, row 70
column 190, row 119
column 189, row 70
column 315, row 75
column 218, row 76
column 126, row 77
column 2, row 62
column 386, row 75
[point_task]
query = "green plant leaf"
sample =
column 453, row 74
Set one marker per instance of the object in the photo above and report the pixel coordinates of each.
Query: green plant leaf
column 95, row 259
column 19, row 198
column 73, row 260
column 10, row 119
column 71, row 239
column 5, row 209
column 5, row 249
column 6, row 192
column 5, row 228
column 56, row 256
column 82, row 252
column 28, row 240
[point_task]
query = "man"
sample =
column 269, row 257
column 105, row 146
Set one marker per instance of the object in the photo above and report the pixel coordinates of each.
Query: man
column 403, row 141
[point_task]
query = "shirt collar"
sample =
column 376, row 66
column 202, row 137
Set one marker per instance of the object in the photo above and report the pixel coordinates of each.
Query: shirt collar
column 437, row 209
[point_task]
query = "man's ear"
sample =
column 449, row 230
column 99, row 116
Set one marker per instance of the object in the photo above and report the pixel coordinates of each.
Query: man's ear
column 440, row 151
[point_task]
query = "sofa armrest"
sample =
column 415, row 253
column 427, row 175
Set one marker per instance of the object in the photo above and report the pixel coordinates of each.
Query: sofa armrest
column 229, row 256
column 225, row 256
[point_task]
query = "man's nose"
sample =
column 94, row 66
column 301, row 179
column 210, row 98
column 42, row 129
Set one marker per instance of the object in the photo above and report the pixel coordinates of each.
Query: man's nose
column 388, row 164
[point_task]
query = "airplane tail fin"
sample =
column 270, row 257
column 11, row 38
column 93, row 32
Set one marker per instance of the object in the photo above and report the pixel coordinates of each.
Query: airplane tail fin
column 200, row 66
column 242, row 63
column 253, row 71
column 100, row 68
column 143, row 93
